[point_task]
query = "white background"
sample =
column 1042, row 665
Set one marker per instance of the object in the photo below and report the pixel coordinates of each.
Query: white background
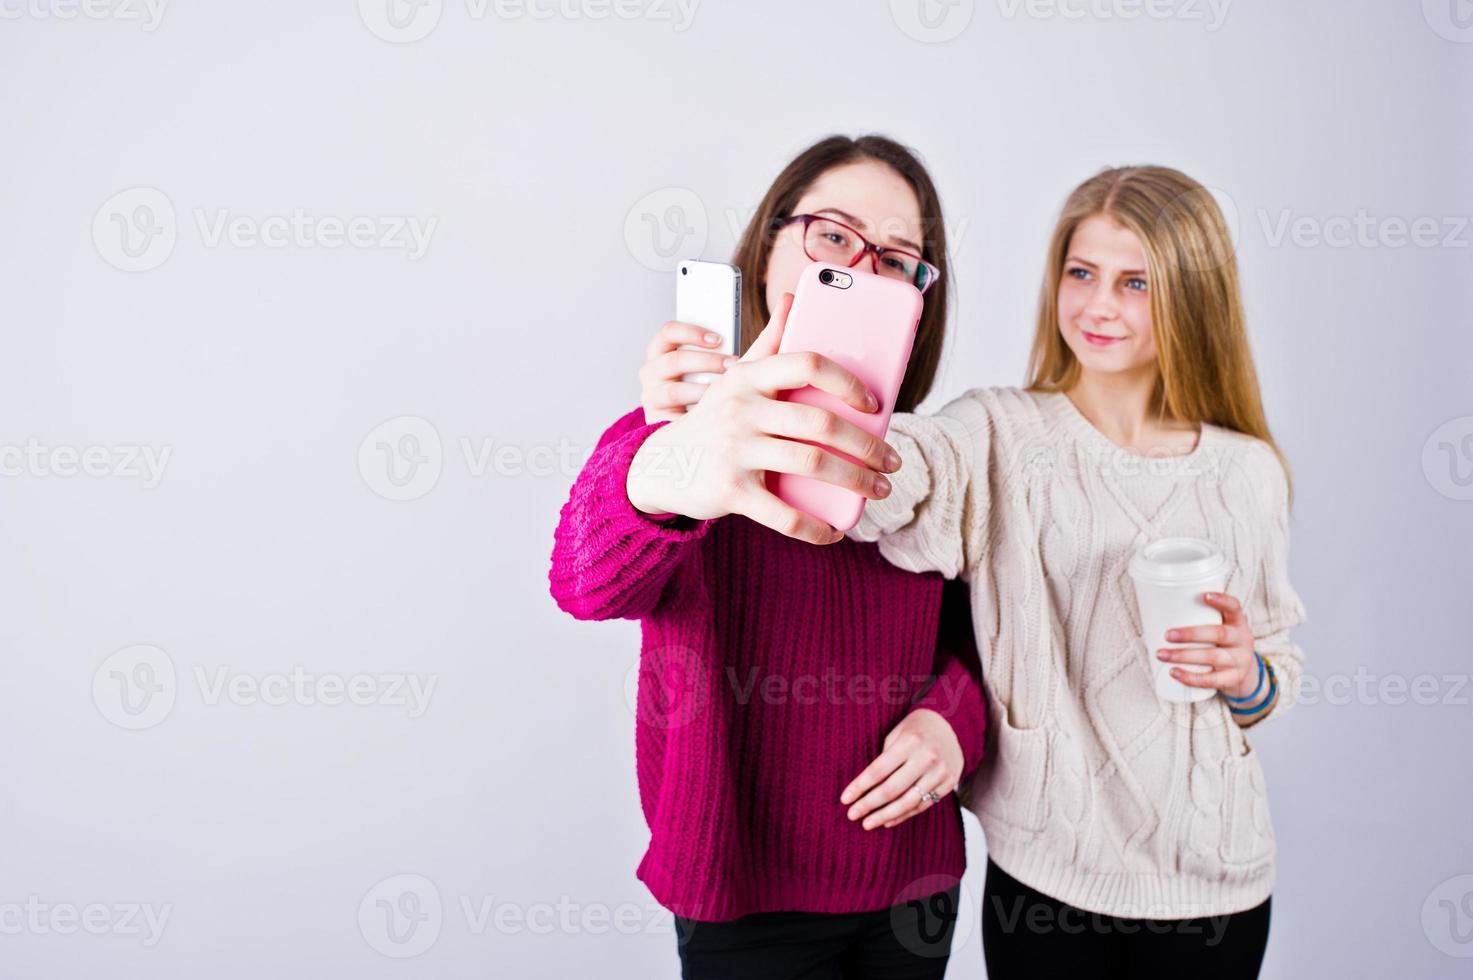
column 534, row 143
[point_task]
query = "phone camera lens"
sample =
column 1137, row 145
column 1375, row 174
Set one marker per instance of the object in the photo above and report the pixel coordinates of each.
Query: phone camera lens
column 684, row 271
column 826, row 276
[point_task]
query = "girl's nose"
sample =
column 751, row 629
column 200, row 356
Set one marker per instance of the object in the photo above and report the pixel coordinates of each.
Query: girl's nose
column 1101, row 305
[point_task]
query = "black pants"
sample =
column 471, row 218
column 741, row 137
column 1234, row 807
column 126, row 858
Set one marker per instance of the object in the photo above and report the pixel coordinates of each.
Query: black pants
column 905, row 942
column 1027, row 934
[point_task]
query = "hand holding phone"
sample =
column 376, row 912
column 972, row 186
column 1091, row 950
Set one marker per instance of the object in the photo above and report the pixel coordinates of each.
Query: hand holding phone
column 683, row 358
column 716, row 459
column 866, row 324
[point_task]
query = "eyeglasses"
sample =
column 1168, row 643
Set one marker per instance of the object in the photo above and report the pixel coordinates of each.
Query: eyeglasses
column 827, row 240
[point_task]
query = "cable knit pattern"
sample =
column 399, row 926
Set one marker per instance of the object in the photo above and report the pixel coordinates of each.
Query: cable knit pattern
column 770, row 673
column 1097, row 792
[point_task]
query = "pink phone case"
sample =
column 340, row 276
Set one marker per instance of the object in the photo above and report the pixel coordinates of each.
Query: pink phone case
column 867, row 328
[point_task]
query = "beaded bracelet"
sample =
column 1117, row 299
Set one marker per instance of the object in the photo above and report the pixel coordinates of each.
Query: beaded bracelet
column 1250, row 697
column 1273, row 690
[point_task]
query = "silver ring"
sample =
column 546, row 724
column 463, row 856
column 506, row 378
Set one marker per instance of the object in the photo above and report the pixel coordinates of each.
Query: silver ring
column 930, row 797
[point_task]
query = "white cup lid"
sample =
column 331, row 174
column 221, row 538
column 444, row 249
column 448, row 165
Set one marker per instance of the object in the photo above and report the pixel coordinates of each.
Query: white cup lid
column 1172, row 560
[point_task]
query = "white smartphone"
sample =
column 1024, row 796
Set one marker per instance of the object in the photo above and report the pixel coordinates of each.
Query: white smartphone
column 709, row 295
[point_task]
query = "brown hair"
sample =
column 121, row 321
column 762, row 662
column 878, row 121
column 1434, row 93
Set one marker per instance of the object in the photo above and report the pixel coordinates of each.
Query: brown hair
column 755, row 246
column 1206, row 368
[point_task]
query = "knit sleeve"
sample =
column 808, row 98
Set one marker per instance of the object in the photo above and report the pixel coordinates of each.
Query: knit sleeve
column 956, row 693
column 609, row 560
column 939, row 496
column 1273, row 607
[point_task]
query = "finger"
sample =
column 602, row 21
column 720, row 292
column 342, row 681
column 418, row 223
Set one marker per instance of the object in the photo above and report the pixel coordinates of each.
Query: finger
column 1217, row 679
column 673, row 333
column 674, row 394
column 771, row 337
column 875, row 773
column 1231, row 608
column 803, row 459
column 792, row 420
column 799, row 369
column 760, row 505
column 913, row 802
column 1210, row 656
column 675, row 363
column 895, row 786
column 1213, row 634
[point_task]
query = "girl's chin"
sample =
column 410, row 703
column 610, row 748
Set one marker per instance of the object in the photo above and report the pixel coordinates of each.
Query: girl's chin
column 1104, row 361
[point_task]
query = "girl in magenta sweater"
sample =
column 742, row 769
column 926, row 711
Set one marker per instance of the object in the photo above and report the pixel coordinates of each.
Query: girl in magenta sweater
column 802, row 721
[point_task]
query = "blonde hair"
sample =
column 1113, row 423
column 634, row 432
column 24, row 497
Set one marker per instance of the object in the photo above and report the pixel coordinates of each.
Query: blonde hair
column 1205, row 366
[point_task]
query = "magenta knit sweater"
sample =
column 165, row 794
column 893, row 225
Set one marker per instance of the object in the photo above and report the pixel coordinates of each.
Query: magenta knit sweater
column 770, row 673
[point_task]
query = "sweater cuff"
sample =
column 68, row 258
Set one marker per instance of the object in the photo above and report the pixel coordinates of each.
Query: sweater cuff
column 611, row 486
column 957, row 697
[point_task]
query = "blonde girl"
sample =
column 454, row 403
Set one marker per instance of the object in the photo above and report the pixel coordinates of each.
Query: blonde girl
column 1127, row 835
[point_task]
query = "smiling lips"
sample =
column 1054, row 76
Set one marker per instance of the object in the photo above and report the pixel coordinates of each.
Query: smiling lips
column 1099, row 340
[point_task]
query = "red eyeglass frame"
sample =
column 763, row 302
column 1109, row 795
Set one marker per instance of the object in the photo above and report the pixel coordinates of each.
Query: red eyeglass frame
column 870, row 248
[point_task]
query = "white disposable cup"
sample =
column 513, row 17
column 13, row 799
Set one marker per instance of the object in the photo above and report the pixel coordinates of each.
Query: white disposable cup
column 1170, row 575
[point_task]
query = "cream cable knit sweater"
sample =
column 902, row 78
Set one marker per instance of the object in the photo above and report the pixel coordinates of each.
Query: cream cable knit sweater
column 1095, row 791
